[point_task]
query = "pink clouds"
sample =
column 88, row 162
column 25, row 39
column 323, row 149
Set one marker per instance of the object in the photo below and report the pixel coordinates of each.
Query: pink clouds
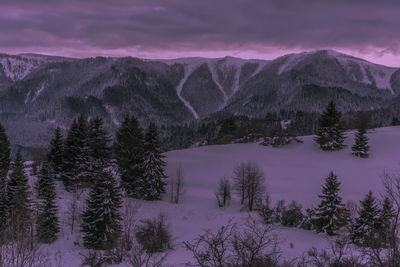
column 177, row 28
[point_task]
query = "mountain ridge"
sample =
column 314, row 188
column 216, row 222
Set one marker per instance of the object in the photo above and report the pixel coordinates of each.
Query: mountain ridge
column 47, row 91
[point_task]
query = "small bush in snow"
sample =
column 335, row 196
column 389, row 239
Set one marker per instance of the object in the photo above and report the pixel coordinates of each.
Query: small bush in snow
column 154, row 235
column 265, row 211
column 308, row 222
column 292, row 216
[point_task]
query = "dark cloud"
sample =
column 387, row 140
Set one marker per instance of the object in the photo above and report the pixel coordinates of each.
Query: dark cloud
column 199, row 25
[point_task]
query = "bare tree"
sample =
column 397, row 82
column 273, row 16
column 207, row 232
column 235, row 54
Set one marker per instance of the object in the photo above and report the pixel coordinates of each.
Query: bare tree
column 176, row 185
column 223, row 193
column 255, row 184
column 248, row 183
column 390, row 255
column 75, row 208
column 22, row 254
column 239, row 181
column 22, row 250
column 130, row 214
column 212, row 248
column 255, row 244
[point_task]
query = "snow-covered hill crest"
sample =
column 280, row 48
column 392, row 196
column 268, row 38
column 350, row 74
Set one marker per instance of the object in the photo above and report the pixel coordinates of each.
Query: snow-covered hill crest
column 17, row 67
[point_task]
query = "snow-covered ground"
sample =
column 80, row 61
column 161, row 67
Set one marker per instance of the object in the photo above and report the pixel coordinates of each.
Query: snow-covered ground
column 294, row 172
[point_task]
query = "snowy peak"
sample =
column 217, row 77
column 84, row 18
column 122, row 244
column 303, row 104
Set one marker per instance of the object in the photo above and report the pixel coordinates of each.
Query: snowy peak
column 17, row 67
column 357, row 70
column 373, row 74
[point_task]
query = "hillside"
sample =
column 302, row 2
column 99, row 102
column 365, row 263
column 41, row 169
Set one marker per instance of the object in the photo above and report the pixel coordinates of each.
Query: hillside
column 41, row 92
column 295, row 172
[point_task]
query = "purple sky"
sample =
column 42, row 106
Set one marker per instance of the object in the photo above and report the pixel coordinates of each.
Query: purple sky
column 210, row 28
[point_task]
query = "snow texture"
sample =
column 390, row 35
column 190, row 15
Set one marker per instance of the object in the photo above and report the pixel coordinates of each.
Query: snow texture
column 294, row 172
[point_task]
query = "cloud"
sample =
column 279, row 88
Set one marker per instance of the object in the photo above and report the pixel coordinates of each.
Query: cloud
column 159, row 27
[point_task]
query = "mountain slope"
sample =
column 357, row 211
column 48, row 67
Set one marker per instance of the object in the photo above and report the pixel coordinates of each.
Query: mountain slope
column 42, row 92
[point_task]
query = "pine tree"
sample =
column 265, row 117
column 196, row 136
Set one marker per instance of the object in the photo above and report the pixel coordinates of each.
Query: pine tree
column 55, row 155
column 154, row 176
column 99, row 149
column 360, row 148
column 47, row 225
column 4, row 167
column 129, row 153
column 75, row 168
column 330, row 214
column 330, row 134
column 365, row 229
column 18, row 198
column 101, row 219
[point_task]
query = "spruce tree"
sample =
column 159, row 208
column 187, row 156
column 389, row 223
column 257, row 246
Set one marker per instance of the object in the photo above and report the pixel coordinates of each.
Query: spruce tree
column 129, row 153
column 331, row 213
column 330, row 134
column 101, row 219
column 365, row 229
column 154, row 176
column 4, row 167
column 55, row 155
column 360, row 148
column 99, row 149
column 47, row 225
column 18, row 198
column 75, row 168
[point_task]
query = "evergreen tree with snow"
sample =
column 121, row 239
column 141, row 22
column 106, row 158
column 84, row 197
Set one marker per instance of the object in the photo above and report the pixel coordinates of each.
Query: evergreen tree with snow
column 47, row 225
column 360, row 148
column 101, row 220
column 4, row 167
column 365, row 229
column 154, row 176
column 331, row 213
column 129, row 153
column 55, row 155
column 18, row 199
column 330, row 134
column 99, row 149
column 75, row 166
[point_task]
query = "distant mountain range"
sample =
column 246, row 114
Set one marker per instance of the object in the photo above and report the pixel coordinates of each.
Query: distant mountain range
column 40, row 92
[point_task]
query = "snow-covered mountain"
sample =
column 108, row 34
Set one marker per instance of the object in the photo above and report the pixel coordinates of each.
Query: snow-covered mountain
column 17, row 67
column 42, row 91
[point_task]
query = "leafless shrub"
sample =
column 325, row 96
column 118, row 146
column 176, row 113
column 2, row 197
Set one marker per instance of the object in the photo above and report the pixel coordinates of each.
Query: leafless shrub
column 265, row 211
column 138, row 256
column 212, row 249
column 254, row 244
column 21, row 253
column 338, row 255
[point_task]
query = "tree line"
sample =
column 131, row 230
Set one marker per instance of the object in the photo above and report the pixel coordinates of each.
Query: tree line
column 84, row 160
